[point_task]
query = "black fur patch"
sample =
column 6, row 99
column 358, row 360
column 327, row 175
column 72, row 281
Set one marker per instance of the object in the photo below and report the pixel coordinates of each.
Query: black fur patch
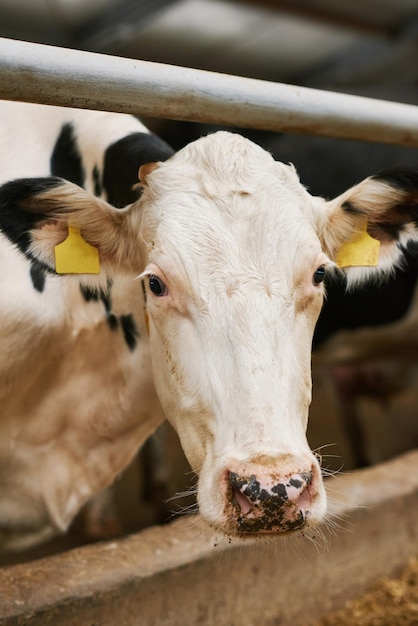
column 103, row 295
column 127, row 322
column 106, row 298
column 90, row 294
column 15, row 220
column 66, row 159
column 97, row 182
column 122, row 161
column 38, row 275
column 130, row 331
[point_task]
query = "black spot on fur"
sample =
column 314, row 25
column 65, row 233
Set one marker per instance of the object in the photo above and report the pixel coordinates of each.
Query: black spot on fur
column 16, row 217
column 122, row 161
column 97, row 182
column 93, row 294
column 112, row 321
column 66, row 159
column 38, row 275
column 130, row 330
column 106, row 298
column 127, row 322
column 90, row 294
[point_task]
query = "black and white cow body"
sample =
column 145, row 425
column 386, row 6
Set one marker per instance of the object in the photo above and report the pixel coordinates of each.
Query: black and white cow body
column 232, row 251
column 72, row 363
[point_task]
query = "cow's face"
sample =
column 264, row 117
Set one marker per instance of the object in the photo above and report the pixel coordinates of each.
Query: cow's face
column 234, row 275
column 232, row 251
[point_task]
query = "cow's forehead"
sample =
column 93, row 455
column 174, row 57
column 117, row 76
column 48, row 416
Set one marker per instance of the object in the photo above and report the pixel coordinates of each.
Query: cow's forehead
column 225, row 162
column 270, row 221
column 213, row 206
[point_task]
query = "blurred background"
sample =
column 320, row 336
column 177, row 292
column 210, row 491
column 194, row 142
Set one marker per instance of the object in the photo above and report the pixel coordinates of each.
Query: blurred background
column 366, row 47
column 347, row 44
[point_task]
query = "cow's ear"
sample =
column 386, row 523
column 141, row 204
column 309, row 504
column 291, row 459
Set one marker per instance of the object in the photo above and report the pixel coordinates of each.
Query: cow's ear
column 367, row 228
column 145, row 170
column 35, row 215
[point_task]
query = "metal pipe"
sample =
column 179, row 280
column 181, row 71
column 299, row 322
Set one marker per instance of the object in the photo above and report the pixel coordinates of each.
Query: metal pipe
column 50, row 75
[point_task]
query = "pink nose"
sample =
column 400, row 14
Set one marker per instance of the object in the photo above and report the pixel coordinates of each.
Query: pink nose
column 271, row 504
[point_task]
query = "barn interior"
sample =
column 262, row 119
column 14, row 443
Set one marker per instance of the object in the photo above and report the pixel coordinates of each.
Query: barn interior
column 363, row 47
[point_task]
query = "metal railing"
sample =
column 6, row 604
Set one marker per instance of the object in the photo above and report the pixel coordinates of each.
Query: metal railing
column 50, row 75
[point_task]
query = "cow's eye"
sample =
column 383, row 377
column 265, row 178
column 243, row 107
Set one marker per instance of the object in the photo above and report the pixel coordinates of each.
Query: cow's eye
column 319, row 275
column 157, row 286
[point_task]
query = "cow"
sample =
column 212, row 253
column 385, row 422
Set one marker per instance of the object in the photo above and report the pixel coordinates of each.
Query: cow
column 76, row 392
column 231, row 252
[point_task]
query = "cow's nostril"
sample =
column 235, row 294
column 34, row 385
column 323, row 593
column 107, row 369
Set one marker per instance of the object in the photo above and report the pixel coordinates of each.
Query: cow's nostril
column 241, row 495
column 243, row 502
column 297, row 487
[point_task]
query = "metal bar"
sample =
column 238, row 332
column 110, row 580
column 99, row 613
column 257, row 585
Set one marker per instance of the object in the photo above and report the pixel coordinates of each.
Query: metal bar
column 50, row 75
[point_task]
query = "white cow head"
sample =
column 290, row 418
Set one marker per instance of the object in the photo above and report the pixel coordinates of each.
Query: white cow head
column 233, row 252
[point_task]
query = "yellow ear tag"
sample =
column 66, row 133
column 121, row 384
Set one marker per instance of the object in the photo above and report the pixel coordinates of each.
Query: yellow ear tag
column 359, row 251
column 75, row 256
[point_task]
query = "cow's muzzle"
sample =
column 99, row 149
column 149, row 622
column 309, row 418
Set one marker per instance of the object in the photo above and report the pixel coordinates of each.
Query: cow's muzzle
column 266, row 502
